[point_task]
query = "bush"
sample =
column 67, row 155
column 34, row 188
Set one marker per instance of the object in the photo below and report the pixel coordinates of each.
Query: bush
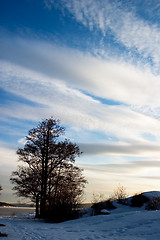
column 98, row 197
column 102, row 205
column 120, row 195
column 3, row 234
column 154, row 203
column 86, row 212
column 60, row 213
column 138, row 200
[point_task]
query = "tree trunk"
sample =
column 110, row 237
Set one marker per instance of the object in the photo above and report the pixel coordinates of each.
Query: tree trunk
column 37, row 206
column 44, row 177
column 42, row 201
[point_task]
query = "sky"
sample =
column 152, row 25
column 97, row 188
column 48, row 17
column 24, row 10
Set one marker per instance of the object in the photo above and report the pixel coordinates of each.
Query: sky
column 95, row 66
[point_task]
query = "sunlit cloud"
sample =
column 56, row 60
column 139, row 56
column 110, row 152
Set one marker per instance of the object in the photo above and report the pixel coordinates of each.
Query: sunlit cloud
column 71, row 105
column 107, row 177
column 8, row 156
column 59, row 88
column 110, row 79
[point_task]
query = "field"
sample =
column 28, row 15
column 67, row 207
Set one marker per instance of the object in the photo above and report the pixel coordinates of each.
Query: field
column 123, row 223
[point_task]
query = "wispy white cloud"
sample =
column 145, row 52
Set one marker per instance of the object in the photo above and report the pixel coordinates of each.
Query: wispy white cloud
column 71, row 105
column 60, row 86
column 109, row 79
column 127, row 28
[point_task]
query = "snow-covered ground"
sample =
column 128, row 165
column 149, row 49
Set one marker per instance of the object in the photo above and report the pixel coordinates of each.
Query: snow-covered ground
column 124, row 223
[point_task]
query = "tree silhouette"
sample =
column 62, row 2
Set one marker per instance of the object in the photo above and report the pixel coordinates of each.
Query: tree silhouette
column 48, row 175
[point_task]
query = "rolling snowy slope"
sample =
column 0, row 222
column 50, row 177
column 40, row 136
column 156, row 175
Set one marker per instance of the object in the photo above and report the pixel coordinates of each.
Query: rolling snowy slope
column 124, row 223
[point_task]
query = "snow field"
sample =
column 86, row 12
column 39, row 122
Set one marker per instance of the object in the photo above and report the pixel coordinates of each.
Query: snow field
column 119, row 225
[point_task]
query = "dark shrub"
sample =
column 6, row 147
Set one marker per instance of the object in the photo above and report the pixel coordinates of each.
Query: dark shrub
column 102, row 205
column 61, row 213
column 3, row 234
column 139, row 200
column 154, row 203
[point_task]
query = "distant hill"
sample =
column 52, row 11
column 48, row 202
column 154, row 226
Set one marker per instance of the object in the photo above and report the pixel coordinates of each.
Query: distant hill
column 4, row 204
column 23, row 205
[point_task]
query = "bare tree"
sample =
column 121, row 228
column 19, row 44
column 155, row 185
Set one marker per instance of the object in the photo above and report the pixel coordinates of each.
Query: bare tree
column 120, row 194
column 98, row 197
column 70, row 185
column 27, row 183
column 47, row 162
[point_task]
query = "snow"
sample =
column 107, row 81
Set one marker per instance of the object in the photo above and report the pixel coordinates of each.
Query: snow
column 105, row 211
column 123, row 223
column 151, row 194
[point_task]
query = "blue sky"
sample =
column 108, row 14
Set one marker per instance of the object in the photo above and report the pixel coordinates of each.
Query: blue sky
column 95, row 66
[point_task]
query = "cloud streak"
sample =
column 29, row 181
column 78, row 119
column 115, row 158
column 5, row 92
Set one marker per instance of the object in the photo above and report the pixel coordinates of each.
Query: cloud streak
column 71, row 105
column 128, row 168
column 107, row 79
column 121, row 149
column 60, row 88
column 127, row 28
